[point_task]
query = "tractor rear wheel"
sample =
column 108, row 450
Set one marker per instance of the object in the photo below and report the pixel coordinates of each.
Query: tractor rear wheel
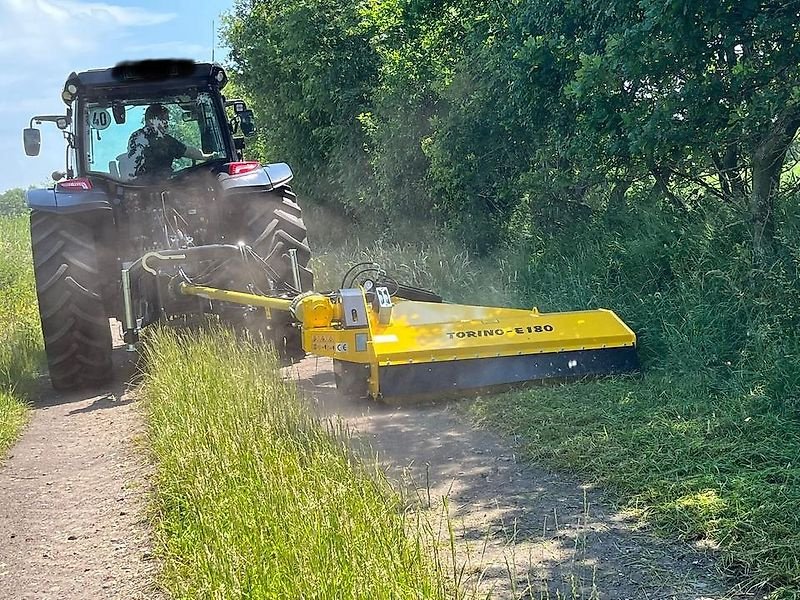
column 273, row 226
column 77, row 336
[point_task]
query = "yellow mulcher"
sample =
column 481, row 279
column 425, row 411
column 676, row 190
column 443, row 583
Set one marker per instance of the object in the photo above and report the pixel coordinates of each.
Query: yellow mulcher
column 390, row 340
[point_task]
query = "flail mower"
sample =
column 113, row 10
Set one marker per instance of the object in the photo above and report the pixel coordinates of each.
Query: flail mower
column 390, row 341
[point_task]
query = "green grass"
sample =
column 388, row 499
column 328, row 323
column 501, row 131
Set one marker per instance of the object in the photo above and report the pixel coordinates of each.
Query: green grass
column 437, row 264
column 254, row 497
column 20, row 335
column 720, row 470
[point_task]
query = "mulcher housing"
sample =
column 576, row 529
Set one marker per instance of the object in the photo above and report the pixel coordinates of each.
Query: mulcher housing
column 391, row 347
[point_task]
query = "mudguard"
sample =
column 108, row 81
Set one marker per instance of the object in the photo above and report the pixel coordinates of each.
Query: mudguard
column 61, row 202
column 265, row 179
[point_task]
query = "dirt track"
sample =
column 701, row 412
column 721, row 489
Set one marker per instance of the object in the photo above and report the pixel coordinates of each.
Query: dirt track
column 520, row 531
column 73, row 522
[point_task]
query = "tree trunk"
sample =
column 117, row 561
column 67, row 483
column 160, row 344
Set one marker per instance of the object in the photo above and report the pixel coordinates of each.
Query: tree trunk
column 661, row 187
column 762, row 204
column 616, row 198
column 767, row 165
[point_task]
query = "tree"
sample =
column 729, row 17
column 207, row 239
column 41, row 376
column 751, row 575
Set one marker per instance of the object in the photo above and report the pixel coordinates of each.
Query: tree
column 12, row 202
column 309, row 70
column 698, row 91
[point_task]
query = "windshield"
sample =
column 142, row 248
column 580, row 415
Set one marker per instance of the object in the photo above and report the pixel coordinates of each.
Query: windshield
column 151, row 138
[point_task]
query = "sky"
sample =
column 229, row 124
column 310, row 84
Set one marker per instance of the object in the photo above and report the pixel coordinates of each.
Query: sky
column 43, row 41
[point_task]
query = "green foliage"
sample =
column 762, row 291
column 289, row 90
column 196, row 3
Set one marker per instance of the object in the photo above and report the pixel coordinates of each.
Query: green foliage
column 254, row 497
column 476, row 114
column 20, row 335
column 12, row 203
column 307, row 69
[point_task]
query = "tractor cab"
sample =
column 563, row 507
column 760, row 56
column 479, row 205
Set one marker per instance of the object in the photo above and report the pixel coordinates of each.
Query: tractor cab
column 109, row 135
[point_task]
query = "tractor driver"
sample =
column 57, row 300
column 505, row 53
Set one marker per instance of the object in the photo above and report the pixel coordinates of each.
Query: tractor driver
column 152, row 150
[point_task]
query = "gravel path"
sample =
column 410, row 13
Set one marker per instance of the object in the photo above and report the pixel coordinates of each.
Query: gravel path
column 72, row 520
column 520, row 532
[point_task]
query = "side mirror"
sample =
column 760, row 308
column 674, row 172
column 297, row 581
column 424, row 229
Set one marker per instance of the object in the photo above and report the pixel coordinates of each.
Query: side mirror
column 118, row 110
column 32, row 140
column 246, row 123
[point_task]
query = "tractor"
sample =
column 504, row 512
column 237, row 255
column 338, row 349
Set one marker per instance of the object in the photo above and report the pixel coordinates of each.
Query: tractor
column 155, row 168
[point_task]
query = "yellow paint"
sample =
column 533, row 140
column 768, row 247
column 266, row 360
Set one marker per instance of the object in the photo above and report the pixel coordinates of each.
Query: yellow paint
column 236, row 297
column 316, row 311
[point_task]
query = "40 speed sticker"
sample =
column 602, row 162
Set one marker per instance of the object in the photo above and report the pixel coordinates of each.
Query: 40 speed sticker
column 479, row 333
column 99, row 118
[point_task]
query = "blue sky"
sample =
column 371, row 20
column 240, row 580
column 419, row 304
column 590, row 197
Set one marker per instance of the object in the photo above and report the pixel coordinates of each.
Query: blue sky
column 42, row 41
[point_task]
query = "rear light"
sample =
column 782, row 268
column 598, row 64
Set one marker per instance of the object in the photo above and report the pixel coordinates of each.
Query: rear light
column 75, row 185
column 240, row 168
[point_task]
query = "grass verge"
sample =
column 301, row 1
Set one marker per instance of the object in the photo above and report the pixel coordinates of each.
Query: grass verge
column 716, row 469
column 20, row 335
column 254, row 498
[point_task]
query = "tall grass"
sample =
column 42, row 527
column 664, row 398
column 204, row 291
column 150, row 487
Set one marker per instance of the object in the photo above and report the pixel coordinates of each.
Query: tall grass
column 705, row 444
column 417, row 255
column 20, row 335
column 255, row 499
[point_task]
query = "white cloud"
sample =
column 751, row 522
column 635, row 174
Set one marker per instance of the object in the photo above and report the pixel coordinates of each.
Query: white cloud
column 110, row 13
column 39, row 28
column 65, row 10
column 41, row 42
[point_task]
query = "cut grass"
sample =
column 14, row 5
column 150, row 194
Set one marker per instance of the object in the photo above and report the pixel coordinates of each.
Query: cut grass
column 715, row 468
column 254, row 498
column 20, row 335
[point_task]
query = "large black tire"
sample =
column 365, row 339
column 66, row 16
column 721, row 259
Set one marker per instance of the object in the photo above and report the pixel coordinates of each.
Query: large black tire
column 77, row 336
column 274, row 225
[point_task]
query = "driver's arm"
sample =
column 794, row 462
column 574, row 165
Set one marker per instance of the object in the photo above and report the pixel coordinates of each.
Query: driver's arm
column 196, row 154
